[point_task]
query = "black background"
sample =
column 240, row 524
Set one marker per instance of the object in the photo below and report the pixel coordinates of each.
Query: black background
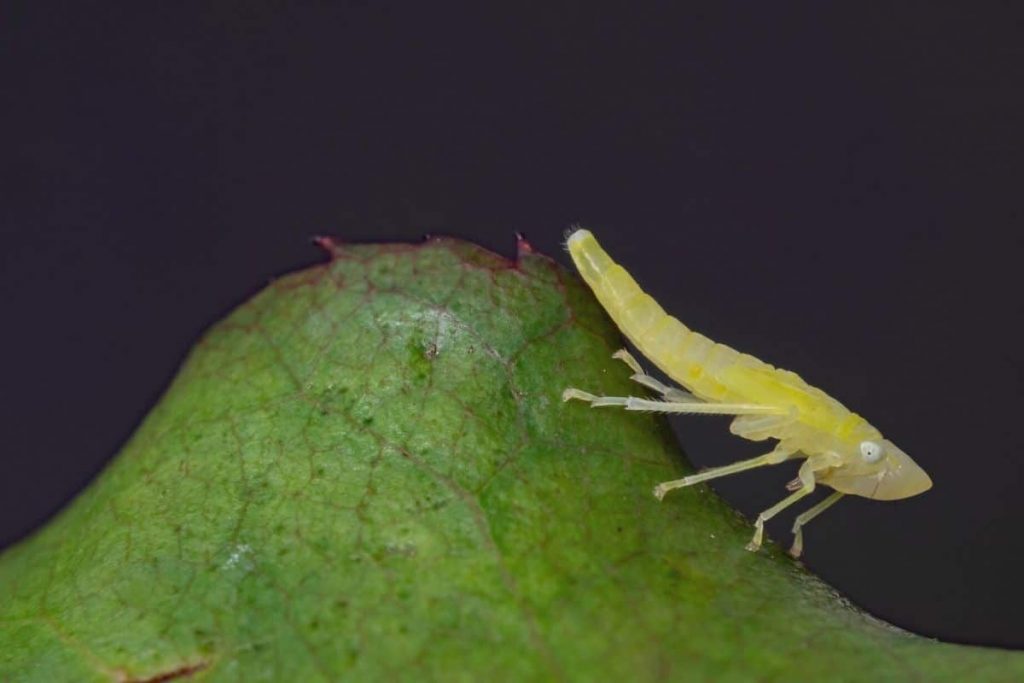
column 836, row 191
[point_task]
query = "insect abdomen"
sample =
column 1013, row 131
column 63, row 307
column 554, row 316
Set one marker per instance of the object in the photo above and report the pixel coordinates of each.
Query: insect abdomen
column 635, row 312
column 686, row 356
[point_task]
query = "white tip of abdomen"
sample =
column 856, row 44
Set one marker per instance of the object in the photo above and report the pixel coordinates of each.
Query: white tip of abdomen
column 577, row 236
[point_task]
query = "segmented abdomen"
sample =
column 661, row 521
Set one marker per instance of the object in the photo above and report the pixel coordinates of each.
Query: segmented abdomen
column 686, row 356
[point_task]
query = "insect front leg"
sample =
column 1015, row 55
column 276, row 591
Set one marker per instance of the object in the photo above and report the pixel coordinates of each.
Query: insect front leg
column 804, row 517
column 773, row 458
column 807, row 479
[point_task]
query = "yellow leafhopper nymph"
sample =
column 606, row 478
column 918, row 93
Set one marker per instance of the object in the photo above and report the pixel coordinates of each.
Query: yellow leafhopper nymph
column 841, row 449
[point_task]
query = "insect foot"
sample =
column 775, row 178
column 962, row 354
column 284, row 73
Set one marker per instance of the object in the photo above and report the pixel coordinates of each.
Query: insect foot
column 660, row 490
column 664, row 487
column 578, row 394
column 627, row 358
column 758, row 539
column 596, row 401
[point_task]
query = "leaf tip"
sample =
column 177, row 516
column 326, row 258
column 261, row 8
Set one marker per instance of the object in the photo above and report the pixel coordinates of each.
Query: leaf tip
column 328, row 244
column 523, row 247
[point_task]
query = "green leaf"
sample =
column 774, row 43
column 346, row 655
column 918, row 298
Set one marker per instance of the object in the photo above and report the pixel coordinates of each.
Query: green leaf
column 365, row 473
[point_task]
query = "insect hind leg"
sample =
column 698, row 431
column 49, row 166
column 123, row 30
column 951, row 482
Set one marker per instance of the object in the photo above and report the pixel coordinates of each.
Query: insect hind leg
column 672, row 395
column 807, row 478
column 642, row 378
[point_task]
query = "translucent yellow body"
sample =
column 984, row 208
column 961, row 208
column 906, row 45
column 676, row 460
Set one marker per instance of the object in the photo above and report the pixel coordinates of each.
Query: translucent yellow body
column 843, row 450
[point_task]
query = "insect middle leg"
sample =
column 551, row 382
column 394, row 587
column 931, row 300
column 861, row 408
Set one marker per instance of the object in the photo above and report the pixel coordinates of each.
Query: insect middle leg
column 773, row 458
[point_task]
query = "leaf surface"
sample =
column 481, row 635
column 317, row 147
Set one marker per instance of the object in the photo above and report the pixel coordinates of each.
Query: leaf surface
column 366, row 473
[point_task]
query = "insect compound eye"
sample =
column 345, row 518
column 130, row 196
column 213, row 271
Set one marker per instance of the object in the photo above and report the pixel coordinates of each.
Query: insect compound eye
column 870, row 451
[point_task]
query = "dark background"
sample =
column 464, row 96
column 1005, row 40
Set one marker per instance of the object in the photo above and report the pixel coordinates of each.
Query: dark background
column 836, row 191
